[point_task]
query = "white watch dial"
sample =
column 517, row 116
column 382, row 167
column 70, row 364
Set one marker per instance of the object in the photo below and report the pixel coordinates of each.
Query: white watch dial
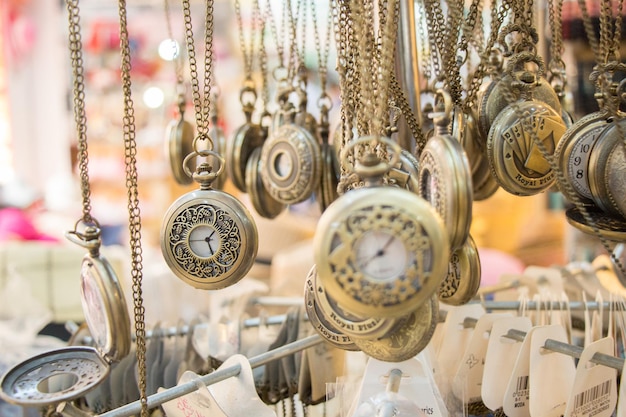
column 204, row 241
column 381, row 255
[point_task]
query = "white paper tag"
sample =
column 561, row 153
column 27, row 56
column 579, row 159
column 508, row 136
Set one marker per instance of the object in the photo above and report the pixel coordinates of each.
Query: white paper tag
column 549, row 280
column 516, row 401
column 199, row 403
column 469, row 375
column 597, row 319
column 416, row 386
column 456, row 338
column 551, row 374
column 500, row 360
column 595, row 386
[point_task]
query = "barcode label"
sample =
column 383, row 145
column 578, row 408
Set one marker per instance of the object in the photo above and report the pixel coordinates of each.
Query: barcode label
column 522, row 383
column 592, row 394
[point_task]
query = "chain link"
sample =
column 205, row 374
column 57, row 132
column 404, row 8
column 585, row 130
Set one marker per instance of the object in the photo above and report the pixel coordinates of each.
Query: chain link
column 134, row 224
column 201, row 103
column 322, row 49
column 78, row 88
column 178, row 65
column 247, row 49
column 401, row 100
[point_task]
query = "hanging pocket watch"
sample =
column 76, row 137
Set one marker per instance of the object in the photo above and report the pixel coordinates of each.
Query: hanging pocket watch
column 219, row 140
column 326, row 191
column 262, row 201
column 574, row 149
column 462, row 282
column 208, row 237
column 409, row 339
column 607, row 170
column 380, row 250
column 356, row 327
column 331, row 333
column 246, row 138
column 179, row 143
column 515, row 159
column 291, row 163
column 445, row 178
column 69, row 373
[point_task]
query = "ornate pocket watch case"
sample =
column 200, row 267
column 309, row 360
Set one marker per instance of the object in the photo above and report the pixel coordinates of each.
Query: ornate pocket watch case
column 179, row 144
column 462, row 282
column 608, row 226
column 331, row 333
column 445, row 181
column 515, row 160
column 380, row 250
column 574, row 149
column 409, row 339
column 69, row 373
column 291, row 164
column 208, row 238
column 356, row 327
column 607, row 170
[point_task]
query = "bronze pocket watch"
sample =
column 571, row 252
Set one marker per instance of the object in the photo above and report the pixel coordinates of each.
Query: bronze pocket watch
column 69, row 373
column 179, row 143
column 208, row 237
column 445, row 180
column 462, row 282
column 262, row 201
column 380, row 250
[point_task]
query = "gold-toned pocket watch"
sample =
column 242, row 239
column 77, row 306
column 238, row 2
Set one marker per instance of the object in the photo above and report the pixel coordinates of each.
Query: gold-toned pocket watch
column 515, row 159
column 246, row 138
column 208, row 238
column 69, row 373
column 462, row 282
column 409, row 339
column 216, row 133
column 179, row 143
column 445, row 179
column 326, row 191
column 262, row 201
column 607, row 170
column 380, row 250
column 291, row 163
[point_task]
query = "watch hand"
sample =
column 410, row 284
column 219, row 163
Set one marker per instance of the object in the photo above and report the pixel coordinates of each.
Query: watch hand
column 385, row 246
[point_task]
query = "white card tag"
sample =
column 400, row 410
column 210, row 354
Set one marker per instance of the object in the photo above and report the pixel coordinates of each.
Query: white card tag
column 595, row 386
column 416, row 386
column 548, row 280
column 469, row 375
column 516, row 401
column 199, row 403
column 621, row 406
column 500, row 360
column 552, row 374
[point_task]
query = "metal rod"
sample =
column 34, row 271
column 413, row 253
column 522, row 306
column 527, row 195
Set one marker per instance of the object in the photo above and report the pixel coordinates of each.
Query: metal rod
column 559, row 347
column 550, row 305
column 214, row 377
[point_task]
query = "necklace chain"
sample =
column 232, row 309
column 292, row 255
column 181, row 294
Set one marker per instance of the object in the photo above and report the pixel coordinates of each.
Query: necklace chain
column 76, row 54
column 201, row 103
column 134, row 225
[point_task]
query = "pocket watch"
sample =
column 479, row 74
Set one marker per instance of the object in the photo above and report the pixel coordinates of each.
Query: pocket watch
column 409, row 339
column 331, row 333
column 462, row 282
column 245, row 139
column 607, row 170
column 573, row 151
column 69, row 373
column 380, row 250
column 406, row 172
column 208, row 238
column 356, row 327
column 262, row 201
column 515, row 160
column 179, row 143
column 604, row 224
column 216, row 133
column 327, row 188
column 291, row 163
column 445, row 181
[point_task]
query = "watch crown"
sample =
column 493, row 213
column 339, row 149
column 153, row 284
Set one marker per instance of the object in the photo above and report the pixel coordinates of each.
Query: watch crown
column 204, row 175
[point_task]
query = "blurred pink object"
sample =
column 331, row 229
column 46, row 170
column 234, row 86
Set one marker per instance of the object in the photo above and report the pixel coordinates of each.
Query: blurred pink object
column 15, row 224
column 494, row 263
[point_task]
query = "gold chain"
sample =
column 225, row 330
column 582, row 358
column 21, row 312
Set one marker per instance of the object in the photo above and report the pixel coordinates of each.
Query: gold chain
column 76, row 55
column 402, row 102
column 322, row 50
column 202, row 104
column 247, row 50
column 134, row 220
column 178, row 67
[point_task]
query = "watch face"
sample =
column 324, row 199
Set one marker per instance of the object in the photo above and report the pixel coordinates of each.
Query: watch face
column 94, row 306
column 209, row 239
column 283, row 164
column 380, row 250
column 381, row 255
